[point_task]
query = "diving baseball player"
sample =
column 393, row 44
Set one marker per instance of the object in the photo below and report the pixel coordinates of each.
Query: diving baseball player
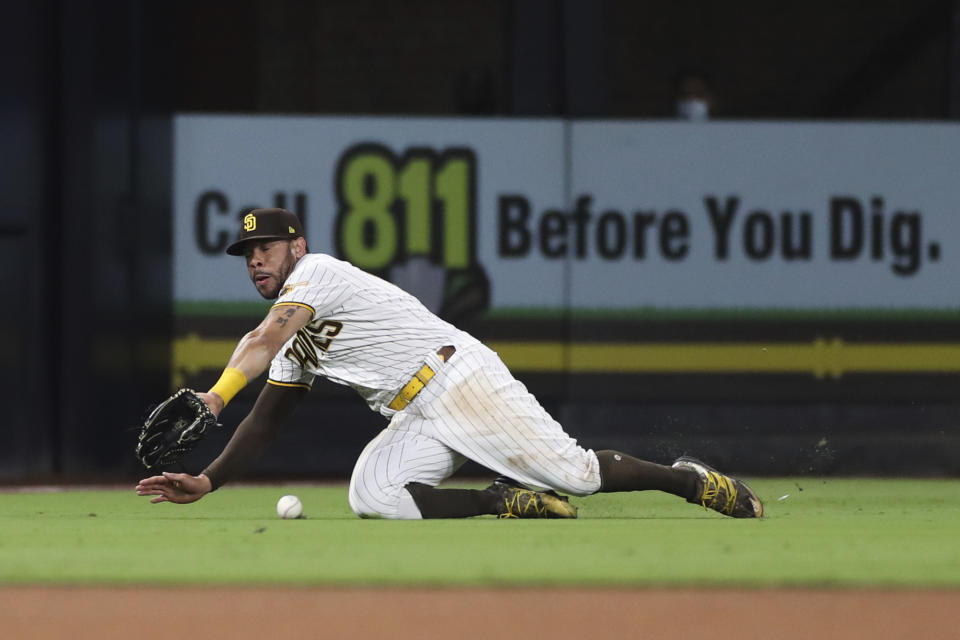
column 448, row 398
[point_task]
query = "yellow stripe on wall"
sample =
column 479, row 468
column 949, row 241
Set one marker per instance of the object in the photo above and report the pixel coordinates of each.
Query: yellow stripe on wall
column 818, row 358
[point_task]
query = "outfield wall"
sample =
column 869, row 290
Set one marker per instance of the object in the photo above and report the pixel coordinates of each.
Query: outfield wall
column 781, row 295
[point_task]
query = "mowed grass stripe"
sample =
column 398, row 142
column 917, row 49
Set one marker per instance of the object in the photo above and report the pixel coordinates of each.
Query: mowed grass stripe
column 842, row 532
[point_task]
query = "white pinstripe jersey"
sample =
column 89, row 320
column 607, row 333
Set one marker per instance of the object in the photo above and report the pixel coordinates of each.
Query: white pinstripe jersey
column 365, row 333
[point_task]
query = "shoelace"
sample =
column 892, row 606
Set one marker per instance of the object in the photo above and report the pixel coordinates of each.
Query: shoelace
column 713, row 484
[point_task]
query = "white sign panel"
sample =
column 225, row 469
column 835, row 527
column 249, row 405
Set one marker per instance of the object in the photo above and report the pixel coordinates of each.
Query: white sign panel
column 769, row 214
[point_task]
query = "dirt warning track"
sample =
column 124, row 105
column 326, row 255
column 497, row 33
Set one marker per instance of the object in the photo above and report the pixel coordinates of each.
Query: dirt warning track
column 467, row 613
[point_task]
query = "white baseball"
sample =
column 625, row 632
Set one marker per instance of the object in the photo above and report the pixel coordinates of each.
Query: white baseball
column 289, row 507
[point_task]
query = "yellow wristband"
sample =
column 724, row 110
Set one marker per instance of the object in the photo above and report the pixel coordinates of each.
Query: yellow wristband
column 230, row 382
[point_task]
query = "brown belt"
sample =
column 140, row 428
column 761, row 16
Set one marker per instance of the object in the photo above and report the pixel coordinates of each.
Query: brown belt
column 419, row 380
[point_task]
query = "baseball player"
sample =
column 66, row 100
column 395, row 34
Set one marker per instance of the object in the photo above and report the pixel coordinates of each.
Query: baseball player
column 448, row 398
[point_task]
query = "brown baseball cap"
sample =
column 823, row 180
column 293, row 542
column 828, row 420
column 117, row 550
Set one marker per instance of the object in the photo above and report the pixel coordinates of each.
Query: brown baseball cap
column 266, row 224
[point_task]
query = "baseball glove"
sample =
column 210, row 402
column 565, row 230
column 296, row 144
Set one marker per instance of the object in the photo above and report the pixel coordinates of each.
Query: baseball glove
column 173, row 429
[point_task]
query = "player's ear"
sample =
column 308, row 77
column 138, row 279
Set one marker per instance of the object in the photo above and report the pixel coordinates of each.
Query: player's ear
column 299, row 247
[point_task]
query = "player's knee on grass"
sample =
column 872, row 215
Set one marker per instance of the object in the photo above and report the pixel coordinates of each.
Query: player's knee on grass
column 395, row 505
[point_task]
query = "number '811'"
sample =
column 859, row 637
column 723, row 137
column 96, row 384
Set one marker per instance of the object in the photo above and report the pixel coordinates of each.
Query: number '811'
column 391, row 207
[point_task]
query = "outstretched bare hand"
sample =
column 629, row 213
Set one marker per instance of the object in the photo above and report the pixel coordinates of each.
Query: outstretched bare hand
column 181, row 488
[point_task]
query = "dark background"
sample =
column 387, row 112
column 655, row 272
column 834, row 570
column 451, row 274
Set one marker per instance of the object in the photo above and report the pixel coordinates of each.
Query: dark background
column 90, row 89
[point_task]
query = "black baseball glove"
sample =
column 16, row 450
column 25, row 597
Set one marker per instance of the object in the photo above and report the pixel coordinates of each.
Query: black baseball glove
column 173, row 429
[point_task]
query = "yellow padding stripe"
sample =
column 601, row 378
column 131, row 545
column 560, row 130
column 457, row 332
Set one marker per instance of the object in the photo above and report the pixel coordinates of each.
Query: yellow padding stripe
column 412, row 388
column 821, row 358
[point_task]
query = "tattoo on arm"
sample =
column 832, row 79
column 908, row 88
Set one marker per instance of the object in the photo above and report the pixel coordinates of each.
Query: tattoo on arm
column 282, row 320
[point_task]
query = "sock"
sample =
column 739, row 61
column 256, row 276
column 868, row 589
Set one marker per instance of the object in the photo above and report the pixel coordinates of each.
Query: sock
column 620, row 472
column 452, row 503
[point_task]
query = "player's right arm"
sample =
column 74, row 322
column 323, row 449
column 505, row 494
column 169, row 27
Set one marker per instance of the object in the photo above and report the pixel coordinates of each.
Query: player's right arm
column 255, row 433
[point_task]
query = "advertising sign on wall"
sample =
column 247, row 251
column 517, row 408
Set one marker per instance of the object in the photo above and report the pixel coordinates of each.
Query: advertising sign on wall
column 662, row 215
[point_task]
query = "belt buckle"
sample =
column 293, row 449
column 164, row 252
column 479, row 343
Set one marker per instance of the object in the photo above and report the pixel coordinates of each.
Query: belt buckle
column 446, row 352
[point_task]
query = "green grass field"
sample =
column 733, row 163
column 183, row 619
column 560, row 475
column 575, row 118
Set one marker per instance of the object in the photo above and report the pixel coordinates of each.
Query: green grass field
column 837, row 532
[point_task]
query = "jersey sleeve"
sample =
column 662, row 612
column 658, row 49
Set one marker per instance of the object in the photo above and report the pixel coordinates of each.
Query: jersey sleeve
column 314, row 288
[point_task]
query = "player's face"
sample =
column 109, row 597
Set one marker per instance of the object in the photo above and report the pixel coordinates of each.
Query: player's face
column 269, row 263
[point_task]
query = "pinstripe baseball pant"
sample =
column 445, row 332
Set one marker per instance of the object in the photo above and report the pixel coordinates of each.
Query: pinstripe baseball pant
column 473, row 408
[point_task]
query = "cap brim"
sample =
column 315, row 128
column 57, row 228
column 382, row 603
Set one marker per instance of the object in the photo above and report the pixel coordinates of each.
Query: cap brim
column 236, row 249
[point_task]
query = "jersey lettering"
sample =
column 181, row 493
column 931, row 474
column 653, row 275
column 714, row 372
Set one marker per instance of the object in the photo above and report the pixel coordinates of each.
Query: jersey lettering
column 314, row 337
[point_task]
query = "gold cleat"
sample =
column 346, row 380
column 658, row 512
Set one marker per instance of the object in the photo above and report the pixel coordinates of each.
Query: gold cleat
column 518, row 501
column 720, row 492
